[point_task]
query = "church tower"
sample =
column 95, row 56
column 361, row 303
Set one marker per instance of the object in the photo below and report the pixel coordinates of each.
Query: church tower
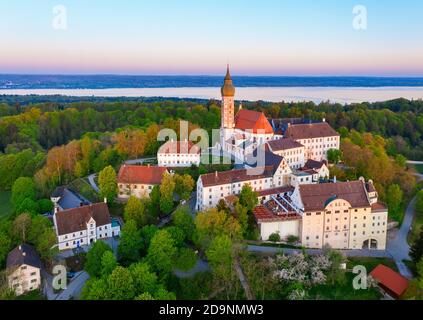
column 228, row 103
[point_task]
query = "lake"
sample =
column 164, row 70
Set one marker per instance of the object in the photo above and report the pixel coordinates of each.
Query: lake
column 272, row 94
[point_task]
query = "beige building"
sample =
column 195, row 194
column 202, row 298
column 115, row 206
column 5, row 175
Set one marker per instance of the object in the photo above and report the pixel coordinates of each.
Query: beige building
column 24, row 269
column 344, row 215
column 179, row 154
column 138, row 181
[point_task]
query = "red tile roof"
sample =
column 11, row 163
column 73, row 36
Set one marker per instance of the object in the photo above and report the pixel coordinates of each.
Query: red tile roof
column 313, row 164
column 318, row 196
column 141, row 174
column 280, row 190
column 284, row 144
column 379, row 207
column 75, row 220
column 310, row 131
column 390, row 280
column 263, row 214
column 254, row 121
column 184, row 147
column 233, row 176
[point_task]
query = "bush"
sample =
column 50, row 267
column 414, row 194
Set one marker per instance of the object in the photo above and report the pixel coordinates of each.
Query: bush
column 292, row 239
column 275, row 237
column 186, row 260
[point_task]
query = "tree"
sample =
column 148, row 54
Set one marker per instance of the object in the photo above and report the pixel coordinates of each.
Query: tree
column 28, row 206
column 147, row 233
column 416, row 251
column 93, row 263
column 96, row 289
column 177, row 234
column 108, row 263
column 220, row 252
column 241, row 214
column 23, row 188
column 161, row 252
column 182, row 218
column 21, row 227
column 154, row 203
column 108, row 184
column 130, row 244
column 5, row 246
column 121, row 284
column 212, row 223
column 144, row 279
column 184, row 184
column 419, row 202
column 334, row 156
column 167, row 188
column 394, row 196
column 135, row 210
column 222, row 206
column 248, row 198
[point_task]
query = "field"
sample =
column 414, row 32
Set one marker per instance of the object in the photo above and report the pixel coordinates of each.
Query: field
column 5, row 204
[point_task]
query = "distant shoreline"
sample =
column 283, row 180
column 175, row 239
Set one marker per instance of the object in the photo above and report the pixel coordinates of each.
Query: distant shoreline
column 344, row 95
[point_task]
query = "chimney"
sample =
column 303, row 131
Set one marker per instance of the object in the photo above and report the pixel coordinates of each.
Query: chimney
column 334, row 179
column 20, row 248
column 148, row 165
column 105, row 200
column 215, row 174
column 24, row 254
column 324, row 119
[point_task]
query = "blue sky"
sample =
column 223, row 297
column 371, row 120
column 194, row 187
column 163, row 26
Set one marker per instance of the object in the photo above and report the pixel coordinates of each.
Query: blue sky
column 257, row 37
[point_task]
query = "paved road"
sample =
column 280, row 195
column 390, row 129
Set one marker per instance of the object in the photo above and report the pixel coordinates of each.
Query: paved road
column 414, row 162
column 74, row 289
column 201, row 266
column 91, row 179
column 139, row 161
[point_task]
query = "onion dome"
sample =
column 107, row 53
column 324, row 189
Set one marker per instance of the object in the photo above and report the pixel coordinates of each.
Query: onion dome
column 228, row 89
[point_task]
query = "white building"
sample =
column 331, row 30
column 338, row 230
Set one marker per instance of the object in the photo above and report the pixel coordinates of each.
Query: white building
column 24, row 269
column 344, row 215
column 215, row 186
column 291, row 150
column 317, row 138
column 84, row 225
column 138, row 181
column 179, row 154
column 242, row 133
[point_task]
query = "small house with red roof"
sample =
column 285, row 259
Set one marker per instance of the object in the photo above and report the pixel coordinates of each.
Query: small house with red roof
column 138, row 181
column 390, row 281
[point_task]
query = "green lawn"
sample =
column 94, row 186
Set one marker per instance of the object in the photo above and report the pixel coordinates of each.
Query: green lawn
column 5, row 204
column 419, row 168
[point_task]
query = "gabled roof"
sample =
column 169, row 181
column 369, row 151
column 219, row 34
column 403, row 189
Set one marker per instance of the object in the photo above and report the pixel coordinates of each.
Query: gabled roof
column 313, row 165
column 233, row 176
column 75, row 220
column 263, row 214
column 179, row 147
column 390, row 280
column 284, row 144
column 141, row 174
column 318, row 196
column 310, row 131
column 254, row 121
column 23, row 254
